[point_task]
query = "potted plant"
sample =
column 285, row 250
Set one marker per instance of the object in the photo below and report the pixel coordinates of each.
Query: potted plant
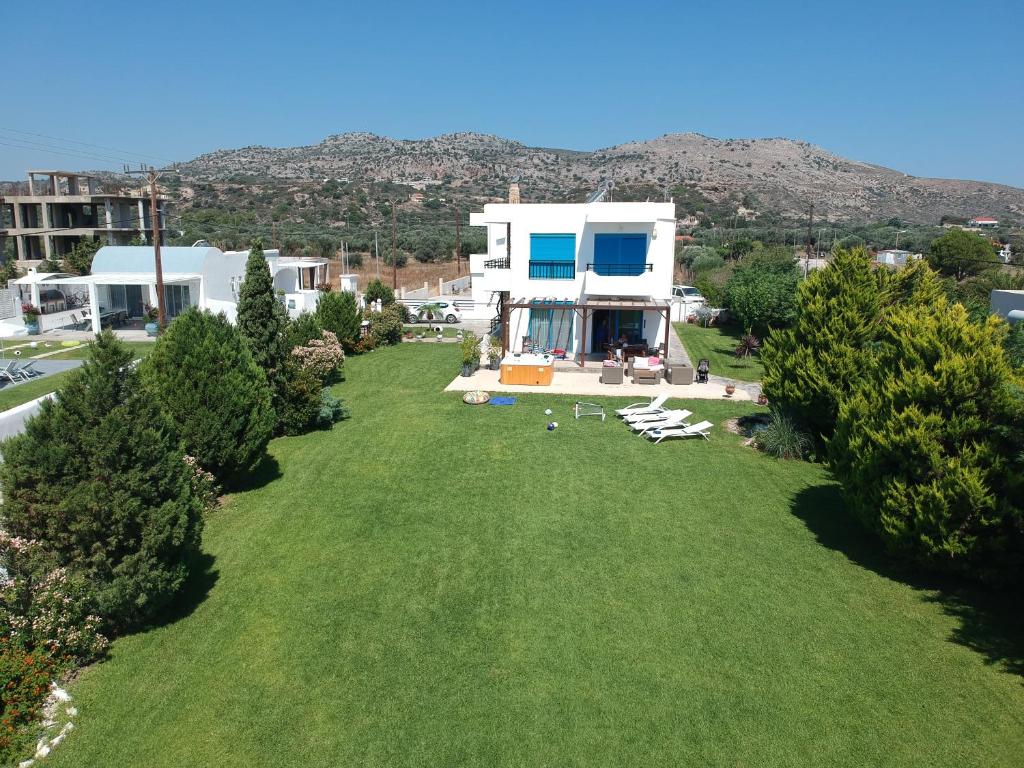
column 30, row 313
column 470, row 347
column 762, row 399
column 730, row 390
column 494, row 353
column 151, row 314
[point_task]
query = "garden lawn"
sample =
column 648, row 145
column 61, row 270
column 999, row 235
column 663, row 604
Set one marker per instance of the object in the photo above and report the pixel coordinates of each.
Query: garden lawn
column 717, row 343
column 432, row 583
column 12, row 395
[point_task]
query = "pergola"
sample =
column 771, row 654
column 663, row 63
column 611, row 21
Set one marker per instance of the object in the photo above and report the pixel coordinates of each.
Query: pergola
column 583, row 309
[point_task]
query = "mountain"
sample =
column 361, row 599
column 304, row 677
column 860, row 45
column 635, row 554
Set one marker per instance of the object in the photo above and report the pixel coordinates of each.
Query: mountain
column 777, row 176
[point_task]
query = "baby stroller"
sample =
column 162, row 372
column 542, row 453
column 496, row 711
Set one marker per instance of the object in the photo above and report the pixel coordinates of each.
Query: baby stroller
column 703, row 369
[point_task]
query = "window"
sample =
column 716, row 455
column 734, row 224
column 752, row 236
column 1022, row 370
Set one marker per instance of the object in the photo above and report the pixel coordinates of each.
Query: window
column 620, row 254
column 551, row 329
column 552, row 256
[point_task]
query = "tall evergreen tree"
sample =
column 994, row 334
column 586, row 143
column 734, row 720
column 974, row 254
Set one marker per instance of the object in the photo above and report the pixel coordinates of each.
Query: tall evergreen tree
column 339, row 314
column 811, row 366
column 262, row 321
column 926, row 446
column 203, row 375
column 98, row 478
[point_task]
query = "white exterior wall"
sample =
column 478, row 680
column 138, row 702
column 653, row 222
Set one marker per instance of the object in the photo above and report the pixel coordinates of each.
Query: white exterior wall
column 656, row 220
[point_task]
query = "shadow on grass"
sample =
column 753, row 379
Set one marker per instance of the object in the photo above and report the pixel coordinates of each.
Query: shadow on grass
column 990, row 622
column 266, row 472
column 201, row 579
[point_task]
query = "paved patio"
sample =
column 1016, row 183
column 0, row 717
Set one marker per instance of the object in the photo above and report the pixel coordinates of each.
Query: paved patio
column 587, row 382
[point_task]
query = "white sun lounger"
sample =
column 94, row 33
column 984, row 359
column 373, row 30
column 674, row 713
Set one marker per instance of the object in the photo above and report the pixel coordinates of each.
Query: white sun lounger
column 653, row 406
column 661, row 413
column 657, row 435
column 671, row 420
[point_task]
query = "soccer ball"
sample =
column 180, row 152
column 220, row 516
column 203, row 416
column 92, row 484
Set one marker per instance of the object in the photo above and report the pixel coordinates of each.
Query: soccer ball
column 551, row 426
column 547, row 412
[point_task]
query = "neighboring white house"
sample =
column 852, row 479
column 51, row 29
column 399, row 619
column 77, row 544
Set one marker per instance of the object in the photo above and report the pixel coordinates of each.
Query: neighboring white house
column 983, row 222
column 587, row 273
column 896, row 257
column 1007, row 304
column 123, row 282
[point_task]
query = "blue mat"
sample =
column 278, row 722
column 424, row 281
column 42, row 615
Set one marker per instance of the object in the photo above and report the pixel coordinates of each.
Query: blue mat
column 503, row 401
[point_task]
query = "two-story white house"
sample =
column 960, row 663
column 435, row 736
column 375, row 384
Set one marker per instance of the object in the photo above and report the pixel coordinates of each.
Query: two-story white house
column 577, row 277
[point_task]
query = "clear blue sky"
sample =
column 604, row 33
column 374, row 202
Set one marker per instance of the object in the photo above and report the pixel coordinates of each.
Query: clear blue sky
column 930, row 88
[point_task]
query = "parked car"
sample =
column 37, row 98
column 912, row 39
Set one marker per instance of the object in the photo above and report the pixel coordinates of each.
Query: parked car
column 688, row 293
column 445, row 311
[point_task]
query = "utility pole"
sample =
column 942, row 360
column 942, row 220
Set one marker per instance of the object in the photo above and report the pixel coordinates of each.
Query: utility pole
column 458, row 244
column 810, row 235
column 394, row 248
column 273, row 236
column 154, row 220
column 376, row 251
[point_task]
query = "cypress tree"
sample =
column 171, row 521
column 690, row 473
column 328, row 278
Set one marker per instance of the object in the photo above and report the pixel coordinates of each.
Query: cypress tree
column 204, row 377
column 339, row 314
column 927, row 444
column 262, row 321
column 810, row 367
column 98, row 478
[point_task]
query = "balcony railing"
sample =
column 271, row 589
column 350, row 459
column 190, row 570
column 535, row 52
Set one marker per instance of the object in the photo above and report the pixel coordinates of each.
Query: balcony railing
column 552, row 270
column 620, row 270
column 502, row 263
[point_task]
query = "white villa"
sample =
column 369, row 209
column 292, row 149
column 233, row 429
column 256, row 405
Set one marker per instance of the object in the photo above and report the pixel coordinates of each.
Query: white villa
column 576, row 277
column 123, row 282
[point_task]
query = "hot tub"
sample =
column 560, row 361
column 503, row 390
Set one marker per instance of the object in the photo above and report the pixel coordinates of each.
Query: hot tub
column 534, row 370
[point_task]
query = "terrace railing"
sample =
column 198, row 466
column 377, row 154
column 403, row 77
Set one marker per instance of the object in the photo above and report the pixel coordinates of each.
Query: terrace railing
column 502, row 263
column 620, row 270
column 552, row 270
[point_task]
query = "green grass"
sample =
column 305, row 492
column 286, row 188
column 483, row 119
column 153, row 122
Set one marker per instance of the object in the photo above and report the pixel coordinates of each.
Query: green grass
column 11, row 396
column 717, row 343
column 436, row 584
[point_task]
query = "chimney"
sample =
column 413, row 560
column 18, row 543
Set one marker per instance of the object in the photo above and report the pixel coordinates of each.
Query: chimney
column 513, row 192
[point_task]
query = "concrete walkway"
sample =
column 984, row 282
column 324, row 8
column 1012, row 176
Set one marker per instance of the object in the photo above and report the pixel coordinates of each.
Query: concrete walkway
column 587, row 382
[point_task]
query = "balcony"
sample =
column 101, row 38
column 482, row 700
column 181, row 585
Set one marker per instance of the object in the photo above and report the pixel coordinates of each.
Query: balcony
column 552, row 270
column 620, row 280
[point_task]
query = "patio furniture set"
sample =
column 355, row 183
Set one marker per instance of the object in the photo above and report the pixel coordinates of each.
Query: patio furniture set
column 15, row 372
column 643, row 370
column 657, row 423
column 108, row 318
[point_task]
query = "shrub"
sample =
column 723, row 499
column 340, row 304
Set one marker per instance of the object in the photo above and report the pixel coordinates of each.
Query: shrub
column 470, row 348
column 24, row 686
column 1014, row 345
column 375, row 290
column 927, row 445
column 203, row 376
column 332, row 409
column 782, row 438
column 339, row 314
column 99, row 480
column 386, row 326
column 262, row 322
column 302, row 330
column 47, row 609
column 712, row 283
column 761, row 292
column 707, row 261
column 322, row 357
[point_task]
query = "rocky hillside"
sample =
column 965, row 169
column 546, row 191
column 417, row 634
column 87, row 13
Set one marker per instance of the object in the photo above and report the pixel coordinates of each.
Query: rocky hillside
column 779, row 176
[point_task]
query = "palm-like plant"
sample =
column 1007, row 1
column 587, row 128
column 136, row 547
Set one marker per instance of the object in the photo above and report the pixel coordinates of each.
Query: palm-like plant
column 749, row 344
column 428, row 310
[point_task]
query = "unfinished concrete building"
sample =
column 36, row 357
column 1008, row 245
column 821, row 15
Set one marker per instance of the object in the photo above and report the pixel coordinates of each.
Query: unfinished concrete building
column 62, row 208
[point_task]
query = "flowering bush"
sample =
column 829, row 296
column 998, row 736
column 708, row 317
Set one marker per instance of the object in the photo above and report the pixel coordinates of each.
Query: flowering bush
column 46, row 609
column 30, row 312
column 24, row 686
column 322, row 357
column 203, row 483
column 386, row 326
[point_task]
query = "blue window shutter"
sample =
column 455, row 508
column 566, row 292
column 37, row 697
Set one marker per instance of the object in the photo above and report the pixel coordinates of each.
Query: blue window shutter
column 620, row 254
column 552, row 247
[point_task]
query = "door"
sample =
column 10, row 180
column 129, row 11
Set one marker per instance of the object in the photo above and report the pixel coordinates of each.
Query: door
column 609, row 325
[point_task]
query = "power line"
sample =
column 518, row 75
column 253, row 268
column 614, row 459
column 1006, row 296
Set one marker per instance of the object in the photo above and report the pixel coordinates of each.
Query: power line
column 76, row 155
column 84, row 144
